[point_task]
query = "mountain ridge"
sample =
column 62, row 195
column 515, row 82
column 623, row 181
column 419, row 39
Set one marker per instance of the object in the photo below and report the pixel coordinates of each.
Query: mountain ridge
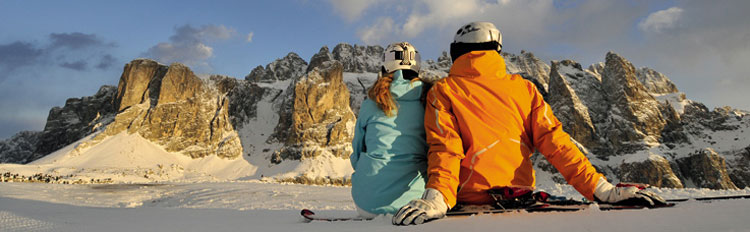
column 291, row 121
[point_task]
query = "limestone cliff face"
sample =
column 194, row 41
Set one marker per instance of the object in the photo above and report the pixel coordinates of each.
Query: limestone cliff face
column 657, row 172
column 320, row 120
column 568, row 108
column 172, row 107
column 528, row 65
column 617, row 111
column 638, row 115
column 706, row 169
column 135, row 80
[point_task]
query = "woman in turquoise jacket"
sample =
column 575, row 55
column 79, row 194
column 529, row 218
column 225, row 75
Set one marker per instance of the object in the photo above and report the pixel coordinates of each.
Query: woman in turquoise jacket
column 390, row 151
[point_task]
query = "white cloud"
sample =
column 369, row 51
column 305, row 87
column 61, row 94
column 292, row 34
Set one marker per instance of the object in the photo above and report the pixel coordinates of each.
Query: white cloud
column 661, row 20
column 188, row 45
column 352, row 10
column 441, row 13
column 440, row 18
column 382, row 29
column 249, row 38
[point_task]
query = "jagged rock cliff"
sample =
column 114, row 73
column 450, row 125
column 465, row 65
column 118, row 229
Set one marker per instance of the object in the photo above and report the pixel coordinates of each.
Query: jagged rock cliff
column 291, row 66
column 619, row 112
column 568, row 107
column 20, row 148
column 529, row 66
column 172, row 107
column 321, row 120
column 65, row 125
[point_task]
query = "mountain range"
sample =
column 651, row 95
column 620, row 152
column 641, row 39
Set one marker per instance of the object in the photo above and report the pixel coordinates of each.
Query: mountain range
column 292, row 120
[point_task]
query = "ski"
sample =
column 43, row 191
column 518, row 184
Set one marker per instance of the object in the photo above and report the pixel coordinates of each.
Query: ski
column 309, row 216
column 555, row 204
column 544, row 207
column 712, row 198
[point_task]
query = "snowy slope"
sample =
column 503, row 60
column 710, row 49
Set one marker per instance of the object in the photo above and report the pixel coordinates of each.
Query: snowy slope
column 258, row 206
column 130, row 158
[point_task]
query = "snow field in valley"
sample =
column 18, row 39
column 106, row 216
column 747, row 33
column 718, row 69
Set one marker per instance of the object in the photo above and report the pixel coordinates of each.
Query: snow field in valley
column 261, row 206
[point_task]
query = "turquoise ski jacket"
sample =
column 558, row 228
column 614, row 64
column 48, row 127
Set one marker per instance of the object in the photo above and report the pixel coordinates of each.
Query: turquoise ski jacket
column 390, row 153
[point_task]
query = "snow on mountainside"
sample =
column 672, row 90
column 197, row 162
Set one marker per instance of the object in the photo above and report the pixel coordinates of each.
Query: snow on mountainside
column 132, row 158
column 291, row 120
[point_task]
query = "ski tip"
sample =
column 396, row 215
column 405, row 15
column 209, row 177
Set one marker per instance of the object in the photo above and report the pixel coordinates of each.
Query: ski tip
column 306, row 212
column 307, row 215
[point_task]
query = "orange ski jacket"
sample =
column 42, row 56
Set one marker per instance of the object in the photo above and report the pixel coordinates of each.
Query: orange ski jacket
column 482, row 127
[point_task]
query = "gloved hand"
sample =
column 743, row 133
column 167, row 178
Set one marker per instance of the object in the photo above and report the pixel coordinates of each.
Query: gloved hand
column 631, row 195
column 430, row 206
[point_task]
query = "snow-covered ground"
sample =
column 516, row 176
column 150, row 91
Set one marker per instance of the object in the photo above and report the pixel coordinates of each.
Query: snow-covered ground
column 261, row 206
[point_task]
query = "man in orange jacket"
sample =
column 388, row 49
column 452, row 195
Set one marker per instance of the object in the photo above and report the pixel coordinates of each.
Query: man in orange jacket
column 482, row 127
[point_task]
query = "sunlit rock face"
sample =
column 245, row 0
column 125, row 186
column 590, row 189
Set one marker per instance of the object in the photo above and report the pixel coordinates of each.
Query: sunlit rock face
column 171, row 106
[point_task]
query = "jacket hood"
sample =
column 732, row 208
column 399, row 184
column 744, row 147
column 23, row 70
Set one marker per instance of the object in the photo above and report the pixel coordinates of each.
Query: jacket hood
column 479, row 63
column 405, row 90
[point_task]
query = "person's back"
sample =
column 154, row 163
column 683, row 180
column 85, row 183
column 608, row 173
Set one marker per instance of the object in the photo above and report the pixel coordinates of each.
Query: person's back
column 390, row 152
column 482, row 127
column 500, row 119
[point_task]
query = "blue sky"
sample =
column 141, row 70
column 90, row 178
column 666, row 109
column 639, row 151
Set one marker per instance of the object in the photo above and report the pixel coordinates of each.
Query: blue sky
column 54, row 50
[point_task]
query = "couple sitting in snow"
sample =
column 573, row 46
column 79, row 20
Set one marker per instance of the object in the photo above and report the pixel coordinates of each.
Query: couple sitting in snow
column 419, row 152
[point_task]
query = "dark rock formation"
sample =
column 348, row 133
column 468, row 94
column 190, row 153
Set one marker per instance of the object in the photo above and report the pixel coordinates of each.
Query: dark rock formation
column 706, row 169
column 358, row 58
column 568, row 107
column 20, row 148
column 290, row 67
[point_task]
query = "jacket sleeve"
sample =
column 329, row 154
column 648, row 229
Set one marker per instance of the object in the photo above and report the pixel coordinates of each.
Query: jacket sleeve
column 446, row 149
column 358, row 143
column 556, row 145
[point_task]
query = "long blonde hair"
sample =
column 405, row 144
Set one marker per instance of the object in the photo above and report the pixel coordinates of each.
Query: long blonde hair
column 380, row 93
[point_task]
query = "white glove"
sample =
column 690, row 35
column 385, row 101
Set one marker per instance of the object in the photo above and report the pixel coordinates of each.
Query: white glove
column 430, row 206
column 608, row 193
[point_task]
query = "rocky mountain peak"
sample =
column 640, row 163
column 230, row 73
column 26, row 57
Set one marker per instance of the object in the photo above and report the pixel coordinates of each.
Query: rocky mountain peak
column 631, row 101
column 631, row 122
column 528, row 65
column 321, row 122
column 358, row 58
column 323, row 55
column 566, row 104
column 134, row 81
column 655, row 82
column 173, row 107
column 291, row 66
column 179, row 84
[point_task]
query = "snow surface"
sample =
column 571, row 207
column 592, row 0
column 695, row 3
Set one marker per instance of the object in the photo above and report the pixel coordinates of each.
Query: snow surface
column 129, row 158
column 260, row 206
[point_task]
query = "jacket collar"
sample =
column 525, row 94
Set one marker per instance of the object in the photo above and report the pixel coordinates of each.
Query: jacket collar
column 479, row 63
column 402, row 89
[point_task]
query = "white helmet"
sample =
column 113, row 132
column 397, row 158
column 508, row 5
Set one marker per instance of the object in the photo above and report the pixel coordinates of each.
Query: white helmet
column 401, row 56
column 476, row 36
